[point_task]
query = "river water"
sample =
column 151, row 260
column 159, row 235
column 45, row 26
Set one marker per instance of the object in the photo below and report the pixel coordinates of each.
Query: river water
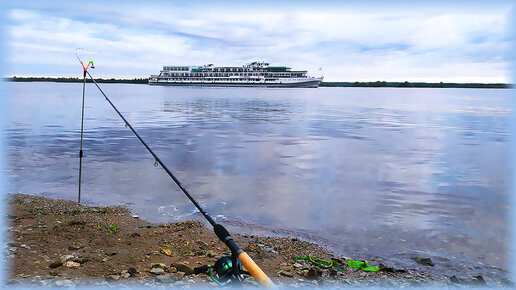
column 384, row 172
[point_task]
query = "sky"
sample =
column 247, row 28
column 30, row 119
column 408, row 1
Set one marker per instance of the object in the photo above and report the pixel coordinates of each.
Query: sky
column 343, row 41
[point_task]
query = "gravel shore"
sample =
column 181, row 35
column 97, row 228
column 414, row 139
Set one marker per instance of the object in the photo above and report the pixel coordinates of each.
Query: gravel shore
column 61, row 243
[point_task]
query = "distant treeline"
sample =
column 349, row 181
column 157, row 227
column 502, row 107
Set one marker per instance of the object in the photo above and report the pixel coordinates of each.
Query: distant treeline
column 323, row 84
column 77, row 80
column 415, row 85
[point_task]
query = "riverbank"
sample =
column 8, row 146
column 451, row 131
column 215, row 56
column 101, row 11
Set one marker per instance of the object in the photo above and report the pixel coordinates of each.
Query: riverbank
column 376, row 84
column 58, row 242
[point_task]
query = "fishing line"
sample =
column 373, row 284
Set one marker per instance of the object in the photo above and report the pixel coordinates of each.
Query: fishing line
column 157, row 159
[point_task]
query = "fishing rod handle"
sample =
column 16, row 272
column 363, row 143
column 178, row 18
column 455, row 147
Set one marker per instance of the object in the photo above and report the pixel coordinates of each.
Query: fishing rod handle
column 249, row 264
column 254, row 270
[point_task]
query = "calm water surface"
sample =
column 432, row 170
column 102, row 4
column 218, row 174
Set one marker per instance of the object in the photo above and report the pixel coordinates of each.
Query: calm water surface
column 391, row 173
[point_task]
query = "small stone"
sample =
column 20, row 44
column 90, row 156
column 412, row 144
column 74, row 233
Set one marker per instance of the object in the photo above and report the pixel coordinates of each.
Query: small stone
column 71, row 264
column 66, row 258
column 363, row 275
column 211, row 254
column 160, row 265
column 125, row 274
column 105, row 259
column 172, row 269
column 297, row 265
column 285, row 273
column 112, row 277
column 424, row 261
column 157, row 271
column 183, row 267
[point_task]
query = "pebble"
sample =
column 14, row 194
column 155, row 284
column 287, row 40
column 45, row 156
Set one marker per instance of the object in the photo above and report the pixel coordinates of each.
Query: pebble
column 65, row 258
column 285, row 273
column 172, row 269
column 157, row 271
column 112, row 277
column 182, row 267
column 71, row 264
column 125, row 274
column 160, row 265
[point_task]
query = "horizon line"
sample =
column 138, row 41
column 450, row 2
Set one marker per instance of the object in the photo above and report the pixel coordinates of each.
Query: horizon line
column 340, row 81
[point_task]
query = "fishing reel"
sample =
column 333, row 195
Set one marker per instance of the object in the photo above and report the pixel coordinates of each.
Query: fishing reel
column 227, row 271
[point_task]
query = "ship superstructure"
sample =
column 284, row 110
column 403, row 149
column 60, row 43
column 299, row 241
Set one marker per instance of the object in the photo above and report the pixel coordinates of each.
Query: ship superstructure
column 251, row 74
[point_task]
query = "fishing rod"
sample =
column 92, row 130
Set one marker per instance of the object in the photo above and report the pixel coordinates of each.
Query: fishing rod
column 237, row 254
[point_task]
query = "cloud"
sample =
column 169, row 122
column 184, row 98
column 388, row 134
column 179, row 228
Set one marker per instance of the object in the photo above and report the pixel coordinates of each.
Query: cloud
column 349, row 43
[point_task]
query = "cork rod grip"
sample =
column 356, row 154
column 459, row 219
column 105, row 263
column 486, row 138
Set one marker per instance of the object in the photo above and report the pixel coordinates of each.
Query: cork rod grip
column 254, row 270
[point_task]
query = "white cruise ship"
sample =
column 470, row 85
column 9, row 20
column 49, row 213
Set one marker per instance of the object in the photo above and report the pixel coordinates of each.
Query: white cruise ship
column 258, row 74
